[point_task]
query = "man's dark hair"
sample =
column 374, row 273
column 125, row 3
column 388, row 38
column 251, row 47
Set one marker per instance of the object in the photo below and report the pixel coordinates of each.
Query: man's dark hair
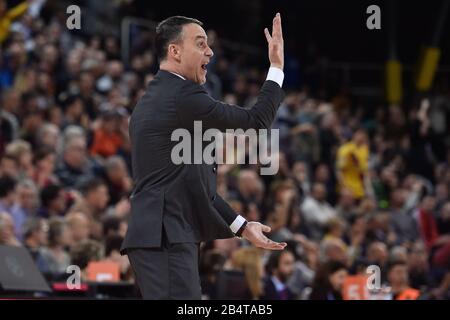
column 50, row 193
column 7, row 185
column 168, row 31
column 274, row 260
column 113, row 243
column 111, row 225
column 91, row 185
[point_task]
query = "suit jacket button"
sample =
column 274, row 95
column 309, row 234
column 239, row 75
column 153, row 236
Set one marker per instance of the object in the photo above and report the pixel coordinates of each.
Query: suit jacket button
column 214, row 169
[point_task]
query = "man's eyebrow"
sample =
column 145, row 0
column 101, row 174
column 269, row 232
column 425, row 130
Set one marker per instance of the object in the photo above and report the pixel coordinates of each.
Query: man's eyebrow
column 201, row 37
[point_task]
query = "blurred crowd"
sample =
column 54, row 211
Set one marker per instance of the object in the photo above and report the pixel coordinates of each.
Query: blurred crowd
column 357, row 187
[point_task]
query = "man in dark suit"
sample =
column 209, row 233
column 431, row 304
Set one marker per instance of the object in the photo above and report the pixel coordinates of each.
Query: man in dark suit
column 175, row 206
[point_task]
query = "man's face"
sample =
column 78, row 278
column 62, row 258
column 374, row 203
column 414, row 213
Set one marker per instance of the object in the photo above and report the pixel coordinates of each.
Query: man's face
column 398, row 275
column 285, row 266
column 194, row 53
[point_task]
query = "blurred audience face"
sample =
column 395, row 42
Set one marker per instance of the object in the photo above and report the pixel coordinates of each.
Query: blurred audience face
column 377, row 253
column 337, row 279
column 346, row 199
column 38, row 236
column 6, row 228
column 322, row 173
column 75, row 153
column 98, row 198
column 27, row 197
column 79, row 226
column 360, row 137
column 334, row 250
column 429, row 203
column 418, row 259
column 319, row 192
column 248, row 182
column 445, row 211
column 47, row 164
column 398, row 276
column 285, row 266
column 48, row 136
column 398, row 198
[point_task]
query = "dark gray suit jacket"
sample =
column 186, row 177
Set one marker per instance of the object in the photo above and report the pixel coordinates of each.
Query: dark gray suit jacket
column 183, row 197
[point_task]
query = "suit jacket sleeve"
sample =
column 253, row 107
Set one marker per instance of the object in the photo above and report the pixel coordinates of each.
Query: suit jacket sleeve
column 194, row 104
column 224, row 209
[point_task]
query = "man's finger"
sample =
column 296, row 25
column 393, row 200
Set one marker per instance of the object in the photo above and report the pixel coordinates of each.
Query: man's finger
column 276, row 28
column 265, row 228
column 268, row 37
column 274, row 246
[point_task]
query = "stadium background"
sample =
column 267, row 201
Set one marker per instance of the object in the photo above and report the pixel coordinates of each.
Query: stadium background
column 359, row 103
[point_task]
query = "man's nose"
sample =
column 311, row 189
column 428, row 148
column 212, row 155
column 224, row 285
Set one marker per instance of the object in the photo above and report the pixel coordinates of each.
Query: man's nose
column 209, row 52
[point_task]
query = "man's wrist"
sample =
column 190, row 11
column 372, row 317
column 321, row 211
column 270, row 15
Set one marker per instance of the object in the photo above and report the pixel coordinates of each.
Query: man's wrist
column 277, row 65
column 238, row 224
column 241, row 230
column 275, row 74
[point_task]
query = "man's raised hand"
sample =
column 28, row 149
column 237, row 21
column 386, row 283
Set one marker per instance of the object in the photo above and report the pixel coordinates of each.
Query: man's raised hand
column 275, row 43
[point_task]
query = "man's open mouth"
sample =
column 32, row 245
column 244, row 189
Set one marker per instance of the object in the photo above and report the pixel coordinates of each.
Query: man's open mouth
column 204, row 66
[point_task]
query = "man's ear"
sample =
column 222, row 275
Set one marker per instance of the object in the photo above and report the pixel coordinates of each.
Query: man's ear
column 174, row 51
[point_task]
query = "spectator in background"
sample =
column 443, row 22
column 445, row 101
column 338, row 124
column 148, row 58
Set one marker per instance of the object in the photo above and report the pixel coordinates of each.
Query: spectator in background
column 114, row 226
column 94, row 203
column 44, row 162
column 79, row 226
column 35, row 237
column 53, row 201
column 8, row 16
column 397, row 275
column 21, row 151
column 352, row 162
column 8, row 196
column 402, row 220
column 7, row 236
column 55, row 254
column 328, row 282
column 112, row 254
column 249, row 262
column 26, row 204
column 280, row 267
column 84, row 252
column 47, row 137
column 118, row 180
column 108, row 137
column 74, row 167
column 316, row 211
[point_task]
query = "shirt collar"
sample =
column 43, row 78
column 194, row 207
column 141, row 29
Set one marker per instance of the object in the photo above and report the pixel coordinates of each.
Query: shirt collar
column 178, row 75
column 279, row 286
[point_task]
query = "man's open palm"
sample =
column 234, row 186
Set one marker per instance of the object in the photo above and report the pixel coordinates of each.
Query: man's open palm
column 253, row 232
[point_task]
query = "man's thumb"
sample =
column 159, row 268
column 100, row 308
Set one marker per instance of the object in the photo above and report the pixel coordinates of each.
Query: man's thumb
column 266, row 228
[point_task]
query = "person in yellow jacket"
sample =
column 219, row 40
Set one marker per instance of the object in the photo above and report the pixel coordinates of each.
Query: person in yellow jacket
column 352, row 162
column 8, row 16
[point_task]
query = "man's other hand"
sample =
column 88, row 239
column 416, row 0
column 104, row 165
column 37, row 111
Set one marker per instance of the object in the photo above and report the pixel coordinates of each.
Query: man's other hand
column 275, row 43
column 253, row 232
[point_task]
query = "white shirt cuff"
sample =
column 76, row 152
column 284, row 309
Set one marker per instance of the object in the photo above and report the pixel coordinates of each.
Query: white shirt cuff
column 237, row 224
column 276, row 74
